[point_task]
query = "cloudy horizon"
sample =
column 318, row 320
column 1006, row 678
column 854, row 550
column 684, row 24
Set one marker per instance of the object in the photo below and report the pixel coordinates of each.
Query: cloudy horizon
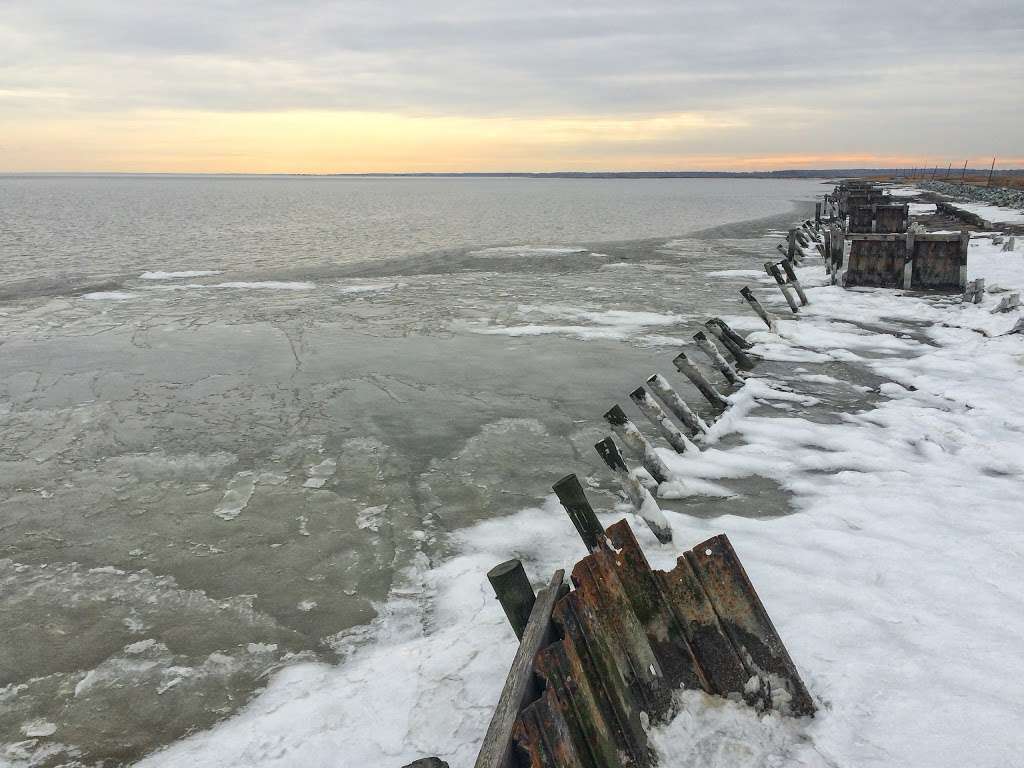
column 356, row 86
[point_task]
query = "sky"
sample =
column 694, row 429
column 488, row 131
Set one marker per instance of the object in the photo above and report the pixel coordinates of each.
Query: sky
column 333, row 86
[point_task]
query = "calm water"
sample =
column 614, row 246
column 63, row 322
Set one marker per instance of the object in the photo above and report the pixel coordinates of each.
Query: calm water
column 206, row 476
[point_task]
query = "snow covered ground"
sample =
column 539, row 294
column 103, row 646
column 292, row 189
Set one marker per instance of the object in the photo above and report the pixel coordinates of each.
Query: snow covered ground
column 895, row 582
column 992, row 213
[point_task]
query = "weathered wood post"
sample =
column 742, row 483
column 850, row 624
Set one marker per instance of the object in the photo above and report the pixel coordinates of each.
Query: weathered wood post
column 570, row 494
column 427, row 762
column 676, row 404
column 641, row 499
column 660, row 420
column 689, row 369
column 817, row 214
column 707, row 346
column 965, row 242
column 791, row 252
column 769, row 320
column 773, row 271
column 787, row 265
column 633, row 488
column 637, row 443
column 514, row 592
column 743, row 360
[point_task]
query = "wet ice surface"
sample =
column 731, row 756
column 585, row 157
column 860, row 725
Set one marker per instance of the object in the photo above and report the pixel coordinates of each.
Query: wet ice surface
column 208, row 476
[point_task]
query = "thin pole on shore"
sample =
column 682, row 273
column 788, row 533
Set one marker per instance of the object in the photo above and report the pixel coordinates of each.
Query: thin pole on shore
column 963, row 172
column 990, row 170
column 948, row 169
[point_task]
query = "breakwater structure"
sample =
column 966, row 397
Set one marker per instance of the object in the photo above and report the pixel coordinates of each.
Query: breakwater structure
column 600, row 655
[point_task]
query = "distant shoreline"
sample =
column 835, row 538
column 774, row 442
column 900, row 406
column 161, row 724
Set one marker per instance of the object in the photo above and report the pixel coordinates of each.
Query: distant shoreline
column 824, row 173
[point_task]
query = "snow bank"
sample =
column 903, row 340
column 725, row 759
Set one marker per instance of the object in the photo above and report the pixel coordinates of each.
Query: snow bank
column 895, row 582
column 992, row 213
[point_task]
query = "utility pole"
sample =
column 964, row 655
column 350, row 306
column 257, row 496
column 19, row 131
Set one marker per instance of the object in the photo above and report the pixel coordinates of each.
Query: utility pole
column 990, row 172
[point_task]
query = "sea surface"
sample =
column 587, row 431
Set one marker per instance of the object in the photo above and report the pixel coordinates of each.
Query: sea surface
column 235, row 409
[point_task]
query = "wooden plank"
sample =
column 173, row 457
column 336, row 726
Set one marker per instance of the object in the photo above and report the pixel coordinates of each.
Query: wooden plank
column 666, row 636
column 520, row 685
column 748, row 625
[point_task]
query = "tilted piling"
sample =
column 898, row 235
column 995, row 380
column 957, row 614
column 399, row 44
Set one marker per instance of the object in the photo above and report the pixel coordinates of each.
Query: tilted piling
column 634, row 440
column 641, row 499
column 728, row 339
column 769, row 319
column 660, row 386
column 707, row 346
column 649, row 408
column 787, row 265
column 689, row 369
column 773, row 271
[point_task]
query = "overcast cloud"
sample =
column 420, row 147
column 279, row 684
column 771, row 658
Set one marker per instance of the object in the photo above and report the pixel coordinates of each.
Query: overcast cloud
column 874, row 77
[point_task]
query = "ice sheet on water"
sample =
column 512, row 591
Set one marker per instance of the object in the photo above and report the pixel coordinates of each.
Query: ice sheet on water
column 108, row 296
column 158, row 275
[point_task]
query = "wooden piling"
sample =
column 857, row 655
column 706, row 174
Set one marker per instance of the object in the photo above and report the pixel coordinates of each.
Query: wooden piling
column 521, row 684
column 609, row 453
column 791, row 243
column 773, row 271
column 768, row 319
column 570, row 494
column 649, row 408
column 514, row 592
column 787, row 265
column 707, row 346
column 689, row 369
column 641, row 499
column 743, row 360
column 817, row 214
column 637, row 443
column 659, row 384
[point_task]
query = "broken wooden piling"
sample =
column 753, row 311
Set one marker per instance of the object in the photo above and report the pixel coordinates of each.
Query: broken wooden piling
column 659, row 384
column 635, row 441
column 743, row 360
column 689, row 369
column 514, row 592
column 761, row 312
column 571, row 496
column 773, row 271
column 649, row 408
column 791, row 277
column 707, row 346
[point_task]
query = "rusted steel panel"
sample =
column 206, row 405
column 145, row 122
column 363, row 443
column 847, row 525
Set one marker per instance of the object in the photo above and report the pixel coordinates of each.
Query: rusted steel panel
column 565, row 674
column 618, row 702
column 936, row 265
column 602, row 601
column 748, row 625
column 715, row 654
column 666, row 636
column 543, row 735
column 876, row 262
column 882, row 218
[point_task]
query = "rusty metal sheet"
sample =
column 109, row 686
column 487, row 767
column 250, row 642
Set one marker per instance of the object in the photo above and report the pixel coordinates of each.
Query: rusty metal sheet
column 543, row 735
column 748, row 625
column 876, row 263
column 583, row 708
column 666, row 636
column 602, row 595
column 936, row 265
column 714, row 651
